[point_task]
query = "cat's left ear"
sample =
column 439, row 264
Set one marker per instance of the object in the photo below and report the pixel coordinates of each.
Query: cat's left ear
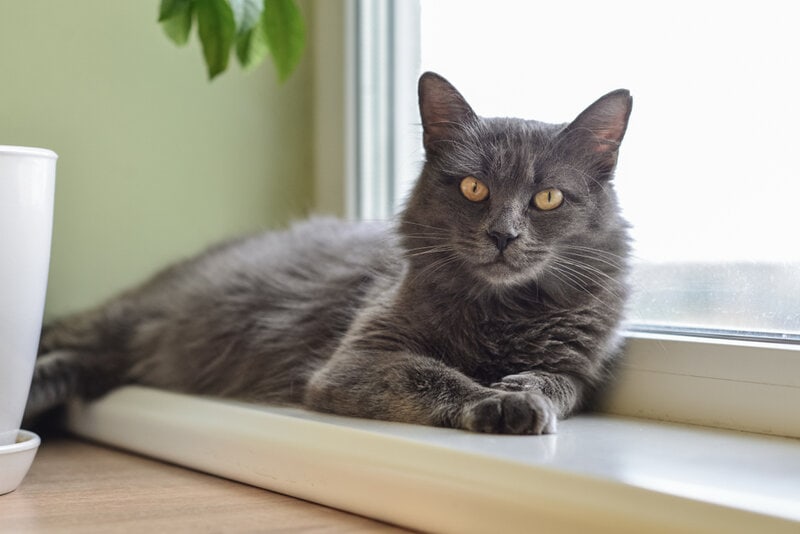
column 598, row 131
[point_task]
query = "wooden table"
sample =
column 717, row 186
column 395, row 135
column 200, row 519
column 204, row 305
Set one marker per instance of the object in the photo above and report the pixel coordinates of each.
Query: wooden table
column 74, row 486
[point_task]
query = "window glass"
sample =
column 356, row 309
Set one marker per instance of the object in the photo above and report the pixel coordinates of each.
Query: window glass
column 708, row 172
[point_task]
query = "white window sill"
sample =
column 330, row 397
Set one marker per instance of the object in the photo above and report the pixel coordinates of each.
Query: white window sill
column 599, row 473
column 739, row 385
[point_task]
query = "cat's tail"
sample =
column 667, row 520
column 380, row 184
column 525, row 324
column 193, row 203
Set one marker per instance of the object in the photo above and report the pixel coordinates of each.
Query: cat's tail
column 80, row 356
column 56, row 380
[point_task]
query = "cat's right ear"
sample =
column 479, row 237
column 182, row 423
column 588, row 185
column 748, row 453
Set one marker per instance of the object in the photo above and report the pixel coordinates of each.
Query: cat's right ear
column 598, row 131
column 443, row 110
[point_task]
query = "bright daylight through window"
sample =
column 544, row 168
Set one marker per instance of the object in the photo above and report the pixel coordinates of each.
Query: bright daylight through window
column 708, row 172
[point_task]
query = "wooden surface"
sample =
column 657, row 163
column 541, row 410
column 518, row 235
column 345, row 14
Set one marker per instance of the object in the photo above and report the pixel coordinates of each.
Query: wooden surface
column 78, row 487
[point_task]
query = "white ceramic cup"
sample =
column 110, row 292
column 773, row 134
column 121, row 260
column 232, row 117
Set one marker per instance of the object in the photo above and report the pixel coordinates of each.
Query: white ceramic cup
column 27, row 184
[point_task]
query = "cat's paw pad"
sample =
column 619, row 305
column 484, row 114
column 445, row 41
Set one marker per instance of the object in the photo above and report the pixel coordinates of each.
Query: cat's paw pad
column 511, row 413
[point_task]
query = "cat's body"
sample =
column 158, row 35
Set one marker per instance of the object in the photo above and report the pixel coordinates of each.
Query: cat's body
column 492, row 305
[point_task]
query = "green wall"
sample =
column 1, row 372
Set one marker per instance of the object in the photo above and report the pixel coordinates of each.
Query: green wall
column 156, row 162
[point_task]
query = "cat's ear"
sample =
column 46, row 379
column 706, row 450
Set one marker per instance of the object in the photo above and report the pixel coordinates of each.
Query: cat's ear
column 442, row 108
column 598, row 131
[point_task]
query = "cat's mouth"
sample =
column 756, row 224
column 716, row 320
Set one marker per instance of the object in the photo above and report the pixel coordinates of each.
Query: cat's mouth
column 508, row 269
column 500, row 269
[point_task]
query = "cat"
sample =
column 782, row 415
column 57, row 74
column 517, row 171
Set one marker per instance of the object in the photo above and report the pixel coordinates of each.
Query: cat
column 493, row 304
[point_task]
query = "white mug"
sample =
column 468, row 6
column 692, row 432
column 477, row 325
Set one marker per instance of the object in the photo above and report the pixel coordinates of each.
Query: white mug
column 27, row 185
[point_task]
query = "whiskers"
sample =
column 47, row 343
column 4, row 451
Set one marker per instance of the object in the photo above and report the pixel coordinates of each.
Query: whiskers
column 591, row 271
column 430, row 249
column 446, row 258
column 615, row 261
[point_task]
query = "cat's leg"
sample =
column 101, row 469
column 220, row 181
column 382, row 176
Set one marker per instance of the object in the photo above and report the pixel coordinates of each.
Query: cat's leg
column 565, row 391
column 404, row 387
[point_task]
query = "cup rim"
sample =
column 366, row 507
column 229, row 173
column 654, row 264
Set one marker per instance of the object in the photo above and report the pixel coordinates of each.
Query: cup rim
column 27, row 151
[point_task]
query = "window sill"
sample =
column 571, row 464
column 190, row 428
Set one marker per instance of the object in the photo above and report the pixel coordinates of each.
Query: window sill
column 599, row 473
column 738, row 385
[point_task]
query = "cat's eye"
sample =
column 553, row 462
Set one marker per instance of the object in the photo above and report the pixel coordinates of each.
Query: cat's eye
column 548, row 199
column 473, row 189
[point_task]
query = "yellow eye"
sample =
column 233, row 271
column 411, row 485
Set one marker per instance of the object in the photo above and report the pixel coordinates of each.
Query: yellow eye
column 548, row 199
column 474, row 189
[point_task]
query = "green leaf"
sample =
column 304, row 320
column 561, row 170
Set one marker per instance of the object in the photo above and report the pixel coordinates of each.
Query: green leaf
column 169, row 8
column 246, row 14
column 285, row 33
column 175, row 17
column 252, row 47
column 216, row 27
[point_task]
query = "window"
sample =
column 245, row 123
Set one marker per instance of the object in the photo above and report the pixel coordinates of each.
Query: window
column 707, row 172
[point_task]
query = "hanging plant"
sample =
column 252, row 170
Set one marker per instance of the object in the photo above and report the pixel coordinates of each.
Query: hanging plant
column 254, row 28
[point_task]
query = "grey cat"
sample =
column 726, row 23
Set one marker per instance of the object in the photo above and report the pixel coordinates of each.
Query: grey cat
column 492, row 305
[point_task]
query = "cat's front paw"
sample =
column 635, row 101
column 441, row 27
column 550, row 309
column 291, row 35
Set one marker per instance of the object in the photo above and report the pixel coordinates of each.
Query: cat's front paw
column 522, row 382
column 519, row 412
column 513, row 383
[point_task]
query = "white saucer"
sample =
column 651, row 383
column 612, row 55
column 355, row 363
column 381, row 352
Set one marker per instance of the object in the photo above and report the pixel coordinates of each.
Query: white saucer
column 16, row 459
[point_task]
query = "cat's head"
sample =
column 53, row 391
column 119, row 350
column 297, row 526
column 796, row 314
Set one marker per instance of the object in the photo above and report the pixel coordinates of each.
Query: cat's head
column 510, row 201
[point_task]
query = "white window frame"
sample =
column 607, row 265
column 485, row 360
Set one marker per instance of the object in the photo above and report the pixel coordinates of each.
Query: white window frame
column 725, row 383
column 357, row 96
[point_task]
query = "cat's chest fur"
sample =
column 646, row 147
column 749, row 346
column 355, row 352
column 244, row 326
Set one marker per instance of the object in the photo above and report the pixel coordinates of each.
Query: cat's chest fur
column 484, row 338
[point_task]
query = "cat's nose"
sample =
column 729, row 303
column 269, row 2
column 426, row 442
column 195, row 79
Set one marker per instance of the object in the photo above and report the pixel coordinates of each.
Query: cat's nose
column 502, row 239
